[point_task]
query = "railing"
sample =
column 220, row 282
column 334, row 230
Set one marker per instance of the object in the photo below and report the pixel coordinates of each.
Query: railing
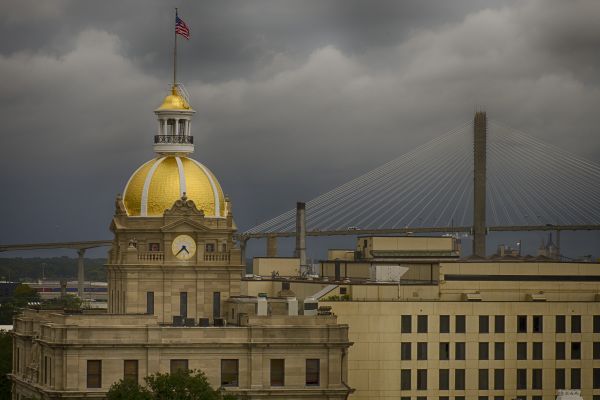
column 216, row 256
column 151, row 256
column 173, row 139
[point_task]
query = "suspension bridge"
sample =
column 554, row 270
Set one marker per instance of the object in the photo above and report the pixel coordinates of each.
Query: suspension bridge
column 477, row 178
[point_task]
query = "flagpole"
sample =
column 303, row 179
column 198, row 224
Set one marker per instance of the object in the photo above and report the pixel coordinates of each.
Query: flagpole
column 175, row 53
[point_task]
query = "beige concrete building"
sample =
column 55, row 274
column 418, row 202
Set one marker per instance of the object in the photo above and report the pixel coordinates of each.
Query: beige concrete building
column 176, row 299
column 442, row 327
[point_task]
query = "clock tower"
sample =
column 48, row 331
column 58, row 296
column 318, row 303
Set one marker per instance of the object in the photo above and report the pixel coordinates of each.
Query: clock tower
column 173, row 253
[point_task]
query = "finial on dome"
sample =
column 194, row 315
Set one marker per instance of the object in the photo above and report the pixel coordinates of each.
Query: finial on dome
column 184, row 197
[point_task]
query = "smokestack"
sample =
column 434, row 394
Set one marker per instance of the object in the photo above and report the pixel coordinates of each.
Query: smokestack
column 301, row 233
column 479, row 182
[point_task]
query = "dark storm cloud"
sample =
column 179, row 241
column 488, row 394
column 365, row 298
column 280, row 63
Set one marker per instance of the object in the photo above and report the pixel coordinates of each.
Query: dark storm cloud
column 292, row 97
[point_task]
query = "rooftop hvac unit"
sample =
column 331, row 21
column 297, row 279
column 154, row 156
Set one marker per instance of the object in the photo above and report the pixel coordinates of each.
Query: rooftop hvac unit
column 262, row 306
column 310, row 306
column 386, row 273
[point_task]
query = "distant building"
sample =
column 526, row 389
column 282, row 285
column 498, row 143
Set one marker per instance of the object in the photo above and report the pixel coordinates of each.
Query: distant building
column 427, row 324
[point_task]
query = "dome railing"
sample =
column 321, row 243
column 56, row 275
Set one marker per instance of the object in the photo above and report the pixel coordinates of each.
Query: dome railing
column 173, row 139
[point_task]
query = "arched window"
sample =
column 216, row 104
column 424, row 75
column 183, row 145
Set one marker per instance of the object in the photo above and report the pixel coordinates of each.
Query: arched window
column 182, row 123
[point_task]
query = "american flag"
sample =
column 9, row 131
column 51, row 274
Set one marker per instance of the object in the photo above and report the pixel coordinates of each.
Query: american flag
column 181, row 28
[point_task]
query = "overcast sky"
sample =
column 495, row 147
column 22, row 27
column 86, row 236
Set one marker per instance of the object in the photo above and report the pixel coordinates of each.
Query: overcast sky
column 292, row 97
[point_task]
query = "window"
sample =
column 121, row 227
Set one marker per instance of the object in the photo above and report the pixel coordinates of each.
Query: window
column 229, row 372
column 559, row 378
column 149, row 302
column 576, row 351
column 560, row 351
column 499, row 351
column 596, row 350
column 499, row 324
column 459, row 379
column 445, row 379
column 405, row 351
column 422, row 351
column 460, row 324
column 94, row 373
column 405, row 383
column 448, row 398
column 459, row 351
column 521, row 379
column 421, row 379
column 210, row 247
column 179, row 365
column 484, row 351
column 484, row 378
column 536, row 378
column 405, row 398
column 537, row 351
column 498, row 397
column 575, row 324
column 277, row 372
column 45, row 370
column 444, row 324
column 521, row 323
column 130, row 370
column 153, row 246
column 596, row 378
column 406, row 325
column 484, row 324
column 498, row 379
column 183, row 304
column 561, row 326
column 459, row 397
column 538, row 324
column 444, row 351
column 521, row 351
column 576, row 378
column 313, row 372
column 421, row 323
column 482, row 398
column 343, row 290
column 224, row 247
column 596, row 323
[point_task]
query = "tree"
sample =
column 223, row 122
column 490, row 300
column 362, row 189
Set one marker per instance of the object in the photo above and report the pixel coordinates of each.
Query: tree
column 179, row 385
column 5, row 364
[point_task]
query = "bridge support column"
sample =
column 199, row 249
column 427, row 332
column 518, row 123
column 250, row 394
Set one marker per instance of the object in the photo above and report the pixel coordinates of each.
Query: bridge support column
column 80, row 272
column 271, row 246
column 301, row 234
column 479, row 182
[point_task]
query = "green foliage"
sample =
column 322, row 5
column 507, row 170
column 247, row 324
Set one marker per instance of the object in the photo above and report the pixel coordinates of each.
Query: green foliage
column 180, row 385
column 68, row 302
column 55, row 268
column 5, row 364
column 335, row 297
column 23, row 294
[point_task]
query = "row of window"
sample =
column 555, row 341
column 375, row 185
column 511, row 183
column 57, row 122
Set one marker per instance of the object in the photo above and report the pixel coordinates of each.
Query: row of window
column 537, row 350
column 229, row 371
column 460, row 324
column 406, row 382
column 209, row 247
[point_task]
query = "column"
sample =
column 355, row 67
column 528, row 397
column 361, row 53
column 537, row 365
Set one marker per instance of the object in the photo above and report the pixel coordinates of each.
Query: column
column 176, row 126
column 479, row 183
column 80, row 273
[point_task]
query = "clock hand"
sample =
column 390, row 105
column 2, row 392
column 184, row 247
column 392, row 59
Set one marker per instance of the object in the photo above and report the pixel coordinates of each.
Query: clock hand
column 182, row 248
column 186, row 250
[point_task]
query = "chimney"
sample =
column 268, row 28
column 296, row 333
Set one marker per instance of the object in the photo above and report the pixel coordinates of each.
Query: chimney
column 300, row 251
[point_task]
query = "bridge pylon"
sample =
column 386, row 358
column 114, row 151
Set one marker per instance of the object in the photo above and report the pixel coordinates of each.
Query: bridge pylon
column 479, row 182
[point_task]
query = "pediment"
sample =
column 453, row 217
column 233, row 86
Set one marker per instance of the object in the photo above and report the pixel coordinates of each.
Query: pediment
column 184, row 225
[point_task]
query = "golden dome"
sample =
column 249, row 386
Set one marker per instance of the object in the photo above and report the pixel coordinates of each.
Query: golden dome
column 157, row 184
column 174, row 101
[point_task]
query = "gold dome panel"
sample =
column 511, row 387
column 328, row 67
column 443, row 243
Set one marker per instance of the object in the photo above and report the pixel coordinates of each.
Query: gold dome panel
column 157, row 184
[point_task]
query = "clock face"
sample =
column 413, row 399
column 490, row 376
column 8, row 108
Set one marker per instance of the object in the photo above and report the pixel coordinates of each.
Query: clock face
column 183, row 247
